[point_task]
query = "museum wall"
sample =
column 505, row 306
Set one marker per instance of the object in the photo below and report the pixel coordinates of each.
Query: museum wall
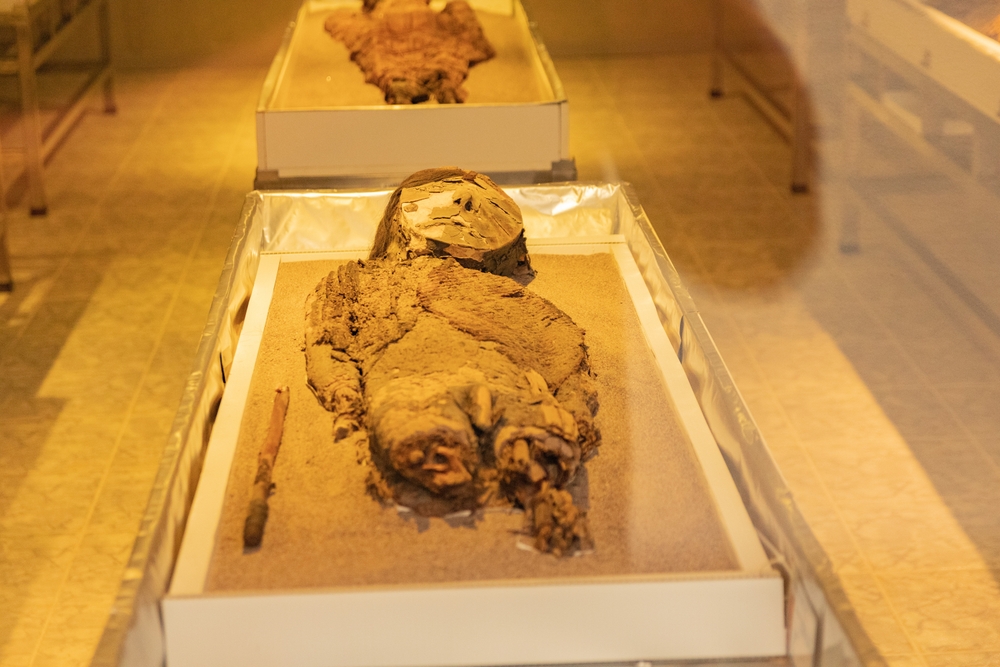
column 167, row 33
column 595, row 27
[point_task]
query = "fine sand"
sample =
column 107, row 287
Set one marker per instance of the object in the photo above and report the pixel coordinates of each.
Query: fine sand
column 650, row 509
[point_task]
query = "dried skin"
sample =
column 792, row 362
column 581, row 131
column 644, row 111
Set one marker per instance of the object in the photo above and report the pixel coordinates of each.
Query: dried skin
column 450, row 212
column 412, row 53
column 469, row 389
column 557, row 522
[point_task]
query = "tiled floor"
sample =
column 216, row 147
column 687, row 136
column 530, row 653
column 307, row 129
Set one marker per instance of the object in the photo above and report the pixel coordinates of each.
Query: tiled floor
column 871, row 378
column 112, row 292
column 872, row 383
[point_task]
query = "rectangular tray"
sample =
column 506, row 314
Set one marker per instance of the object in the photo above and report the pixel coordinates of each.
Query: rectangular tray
column 319, row 122
column 819, row 623
column 669, row 615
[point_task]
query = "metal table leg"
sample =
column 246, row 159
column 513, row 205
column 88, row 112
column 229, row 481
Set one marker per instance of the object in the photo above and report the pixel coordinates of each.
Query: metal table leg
column 850, row 232
column 718, row 66
column 801, row 140
column 31, row 123
column 6, row 279
column 793, row 123
column 104, row 28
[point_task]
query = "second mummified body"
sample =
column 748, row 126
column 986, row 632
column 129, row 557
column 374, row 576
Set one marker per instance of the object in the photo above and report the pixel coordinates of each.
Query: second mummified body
column 411, row 52
column 464, row 389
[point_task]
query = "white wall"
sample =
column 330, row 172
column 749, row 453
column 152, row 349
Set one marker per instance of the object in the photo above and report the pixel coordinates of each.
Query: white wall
column 164, row 33
column 598, row 27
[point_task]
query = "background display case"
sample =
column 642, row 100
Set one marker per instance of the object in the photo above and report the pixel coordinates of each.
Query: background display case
column 961, row 60
column 319, row 124
column 31, row 32
column 932, row 83
column 931, row 80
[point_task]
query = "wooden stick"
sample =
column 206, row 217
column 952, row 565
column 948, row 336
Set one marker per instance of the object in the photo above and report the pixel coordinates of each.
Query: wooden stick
column 253, row 529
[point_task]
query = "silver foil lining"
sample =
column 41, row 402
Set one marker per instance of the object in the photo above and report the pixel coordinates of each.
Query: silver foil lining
column 822, row 627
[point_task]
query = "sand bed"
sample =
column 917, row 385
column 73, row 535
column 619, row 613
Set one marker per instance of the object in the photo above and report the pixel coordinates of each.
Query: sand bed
column 321, row 75
column 650, row 508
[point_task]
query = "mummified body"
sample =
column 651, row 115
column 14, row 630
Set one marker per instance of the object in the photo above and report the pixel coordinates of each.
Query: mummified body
column 470, row 390
column 464, row 389
column 411, row 52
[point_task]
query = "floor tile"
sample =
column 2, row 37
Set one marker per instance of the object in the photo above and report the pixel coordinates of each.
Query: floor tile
column 950, row 611
column 918, row 413
column 54, row 504
column 122, row 501
column 876, row 614
column 83, row 455
column 970, row 659
column 925, row 538
column 975, row 406
column 822, row 416
column 33, row 569
column 881, row 363
column 877, row 406
column 905, row 660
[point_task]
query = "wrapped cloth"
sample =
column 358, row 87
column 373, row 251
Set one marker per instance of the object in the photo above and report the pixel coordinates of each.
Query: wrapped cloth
column 449, row 212
column 461, row 388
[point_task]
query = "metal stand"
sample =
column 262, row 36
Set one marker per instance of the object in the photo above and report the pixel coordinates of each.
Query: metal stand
column 882, row 84
column 792, row 121
column 40, row 28
column 718, row 58
column 800, row 139
column 850, row 229
column 6, row 279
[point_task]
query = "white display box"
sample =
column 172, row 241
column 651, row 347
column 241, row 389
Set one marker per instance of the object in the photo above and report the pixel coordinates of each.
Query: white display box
column 819, row 624
column 960, row 59
column 676, row 615
column 319, row 123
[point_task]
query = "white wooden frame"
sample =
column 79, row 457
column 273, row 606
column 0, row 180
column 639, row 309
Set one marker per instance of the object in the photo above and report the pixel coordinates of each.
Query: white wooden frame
column 379, row 145
column 670, row 616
